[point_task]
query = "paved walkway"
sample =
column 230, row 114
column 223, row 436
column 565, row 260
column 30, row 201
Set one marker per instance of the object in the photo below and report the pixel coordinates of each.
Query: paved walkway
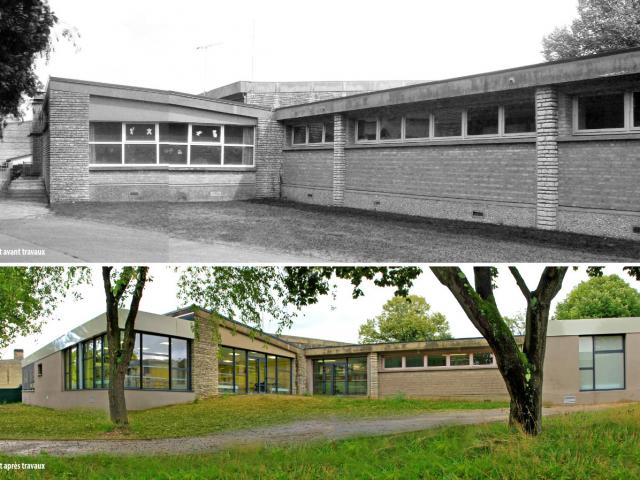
column 31, row 233
column 302, row 431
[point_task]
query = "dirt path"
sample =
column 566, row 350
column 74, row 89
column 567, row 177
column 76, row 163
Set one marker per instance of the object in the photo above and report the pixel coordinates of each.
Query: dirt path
column 302, row 431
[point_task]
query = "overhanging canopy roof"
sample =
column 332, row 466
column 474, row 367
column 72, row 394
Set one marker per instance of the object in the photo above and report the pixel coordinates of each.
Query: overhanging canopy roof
column 611, row 64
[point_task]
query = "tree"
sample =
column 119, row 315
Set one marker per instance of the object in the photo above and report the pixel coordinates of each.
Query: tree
column 601, row 25
column 600, row 297
column 517, row 323
column 29, row 295
column 405, row 319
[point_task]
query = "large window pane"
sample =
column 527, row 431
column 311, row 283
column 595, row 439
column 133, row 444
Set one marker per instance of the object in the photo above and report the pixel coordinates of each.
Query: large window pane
column 458, row 359
column 110, row 154
column 636, row 109
column 601, row 111
column 390, row 128
column 132, row 377
column 482, row 121
column 256, row 369
column 482, row 358
column 173, row 154
column 447, row 123
column 586, row 352
column 436, row 361
column 174, row 132
column 205, row 155
column 520, row 117
column 586, row 379
column 205, row 133
column 367, row 129
column 179, row 364
column 609, row 370
column 608, row 342
column 299, row 134
column 315, row 132
column 105, row 132
column 393, row 362
column 98, row 364
column 239, row 135
column 241, row 371
column 74, row 368
column 238, row 155
column 328, row 131
column 225, row 370
column 357, row 376
column 155, row 362
column 105, row 356
column 140, row 132
column 318, row 377
column 416, row 126
column 415, row 361
column 284, row 375
column 88, row 364
column 271, row 374
column 140, row 153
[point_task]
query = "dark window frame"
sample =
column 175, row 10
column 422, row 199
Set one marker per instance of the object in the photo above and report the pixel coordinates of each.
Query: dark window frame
column 593, row 362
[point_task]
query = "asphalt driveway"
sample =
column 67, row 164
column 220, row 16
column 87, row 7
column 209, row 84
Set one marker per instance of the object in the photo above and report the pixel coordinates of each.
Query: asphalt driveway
column 290, row 232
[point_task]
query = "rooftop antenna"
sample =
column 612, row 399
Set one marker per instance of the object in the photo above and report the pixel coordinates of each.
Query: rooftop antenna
column 205, row 49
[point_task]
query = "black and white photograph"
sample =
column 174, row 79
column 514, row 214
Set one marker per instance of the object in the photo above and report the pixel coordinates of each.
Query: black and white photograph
column 286, row 240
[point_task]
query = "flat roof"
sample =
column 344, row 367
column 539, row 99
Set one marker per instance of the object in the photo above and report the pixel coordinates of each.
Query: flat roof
column 593, row 326
column 604, row 65
column 168, row 97
column 243, row 86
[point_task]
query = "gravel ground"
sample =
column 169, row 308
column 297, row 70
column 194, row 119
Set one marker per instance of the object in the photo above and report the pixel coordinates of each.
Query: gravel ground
column 302, row 431
column 347, row 235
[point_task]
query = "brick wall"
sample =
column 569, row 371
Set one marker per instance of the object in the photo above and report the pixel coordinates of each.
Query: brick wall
column 308, row 168
column 69, row 146
column 481, row 383
column 204, row 375
column 45, row 161
column 600, row 175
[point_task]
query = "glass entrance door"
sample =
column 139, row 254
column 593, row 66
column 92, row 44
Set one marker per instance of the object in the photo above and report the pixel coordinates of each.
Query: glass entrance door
column 338, row 378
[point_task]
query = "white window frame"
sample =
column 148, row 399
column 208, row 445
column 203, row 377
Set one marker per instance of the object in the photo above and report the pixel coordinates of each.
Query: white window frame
column 628, row 115
column 377, row 120
column 188, row 144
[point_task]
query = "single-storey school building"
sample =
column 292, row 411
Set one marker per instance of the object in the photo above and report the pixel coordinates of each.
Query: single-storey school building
column 552, row 146
column 587, row 361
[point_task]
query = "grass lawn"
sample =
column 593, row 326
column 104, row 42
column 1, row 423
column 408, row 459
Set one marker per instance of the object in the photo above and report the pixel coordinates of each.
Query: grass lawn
column 19, row 421
column 594, row 445
column 349, row 235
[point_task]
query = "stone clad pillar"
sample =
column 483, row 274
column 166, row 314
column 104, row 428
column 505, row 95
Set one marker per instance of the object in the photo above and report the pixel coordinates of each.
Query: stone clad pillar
column 372, row 375
column 547, row 158
column 301, row 374
column 204, row 370
column 339, row 159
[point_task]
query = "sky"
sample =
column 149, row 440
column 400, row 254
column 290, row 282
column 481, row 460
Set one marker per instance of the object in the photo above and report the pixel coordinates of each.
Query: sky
column 332, row 319
column 155, row 43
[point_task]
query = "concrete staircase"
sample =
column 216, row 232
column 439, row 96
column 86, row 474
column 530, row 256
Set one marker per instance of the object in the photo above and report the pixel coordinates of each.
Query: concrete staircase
column 26, row 189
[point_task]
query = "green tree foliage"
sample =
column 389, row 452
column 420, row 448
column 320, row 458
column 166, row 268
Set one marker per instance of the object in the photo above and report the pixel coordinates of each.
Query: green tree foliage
column 600, row 297
column 601, row 25
column 517, row 323
column 29, row 295
column 406, row 319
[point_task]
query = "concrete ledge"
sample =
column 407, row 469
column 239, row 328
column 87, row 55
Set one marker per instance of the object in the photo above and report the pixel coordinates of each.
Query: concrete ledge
column 599, row 222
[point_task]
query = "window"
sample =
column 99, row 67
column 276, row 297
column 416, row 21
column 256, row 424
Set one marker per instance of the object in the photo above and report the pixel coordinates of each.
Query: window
column 313, row 133
column 155, row 362
column 393, row 362
column 340, row 376
column 367, row 130
column 482, row 358
column 601, row 111
column 482, row 121
column 132, row 377
column 447, row 123
column 87, row 368
column 143, row 144
column 28, row 380
column 414, row 361
column 416, row 125
column 391, row 128
column 179, row 364
column 601, row 362
column 39, row 369
column 243, row 371
column 520, row 117
column 458, row 359
column 436, row 361
column 636, row 109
